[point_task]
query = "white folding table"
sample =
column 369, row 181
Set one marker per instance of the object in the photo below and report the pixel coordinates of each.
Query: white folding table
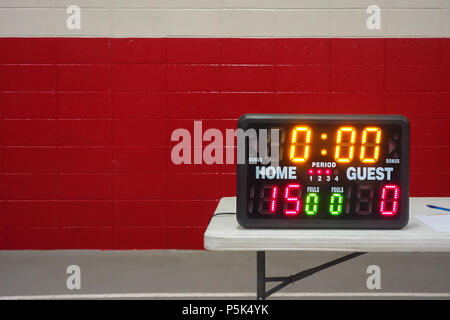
column 225, row 234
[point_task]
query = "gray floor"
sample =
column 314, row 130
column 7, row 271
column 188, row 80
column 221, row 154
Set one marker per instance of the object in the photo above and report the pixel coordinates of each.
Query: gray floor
column 26, row 273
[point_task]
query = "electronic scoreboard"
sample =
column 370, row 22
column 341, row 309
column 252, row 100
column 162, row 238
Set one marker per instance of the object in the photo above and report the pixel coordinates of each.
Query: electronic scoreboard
column 327, row 171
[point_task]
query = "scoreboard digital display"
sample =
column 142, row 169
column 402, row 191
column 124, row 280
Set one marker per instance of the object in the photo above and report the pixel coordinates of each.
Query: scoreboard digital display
column 323, row 171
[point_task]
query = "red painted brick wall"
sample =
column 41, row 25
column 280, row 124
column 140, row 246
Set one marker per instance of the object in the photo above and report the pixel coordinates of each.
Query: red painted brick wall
column 86, row 124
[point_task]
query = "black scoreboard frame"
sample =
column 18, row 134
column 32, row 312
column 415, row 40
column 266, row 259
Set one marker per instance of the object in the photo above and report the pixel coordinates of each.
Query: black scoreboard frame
column 242, row 172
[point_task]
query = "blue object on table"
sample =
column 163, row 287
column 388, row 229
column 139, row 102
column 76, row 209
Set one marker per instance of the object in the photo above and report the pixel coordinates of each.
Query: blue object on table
column 436, row 207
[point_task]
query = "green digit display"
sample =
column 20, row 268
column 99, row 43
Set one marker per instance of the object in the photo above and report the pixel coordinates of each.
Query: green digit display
column 312, row 203
column 336, row 203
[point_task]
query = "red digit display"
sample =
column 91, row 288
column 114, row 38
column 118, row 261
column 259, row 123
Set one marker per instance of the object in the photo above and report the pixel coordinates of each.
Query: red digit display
column 267, row 199
column 292, row 202
column 273, row 203
column 389, row 200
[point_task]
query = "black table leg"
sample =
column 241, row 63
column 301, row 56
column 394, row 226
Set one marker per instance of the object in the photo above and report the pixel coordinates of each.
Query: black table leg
column 260, row 275
column 262, row 294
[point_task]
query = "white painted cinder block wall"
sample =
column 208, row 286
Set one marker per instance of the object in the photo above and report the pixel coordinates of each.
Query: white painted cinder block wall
column 225, row 18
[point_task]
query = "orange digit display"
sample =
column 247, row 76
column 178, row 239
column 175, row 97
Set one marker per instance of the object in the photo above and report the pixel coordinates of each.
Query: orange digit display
column 375, row 145
column 345, row 131
column 296, row 135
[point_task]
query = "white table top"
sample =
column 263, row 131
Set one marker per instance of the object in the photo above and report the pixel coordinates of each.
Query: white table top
column 224, row 233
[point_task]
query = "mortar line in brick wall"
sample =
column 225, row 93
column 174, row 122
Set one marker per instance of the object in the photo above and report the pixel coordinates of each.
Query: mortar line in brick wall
column 112, row 217
column 330, row 87
column 166, row 191
column 440, row 64
column 84, row 146
column 384, row 106
column 96, row 199
column 114, row 244
column 2, row 140
column 214, row 92
column 58, row 114
column 203, row 64
column 78, row 119
column 185, row 200
column 221, row 64
column 68, row 91
column 408, row 36
column 275, row 70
